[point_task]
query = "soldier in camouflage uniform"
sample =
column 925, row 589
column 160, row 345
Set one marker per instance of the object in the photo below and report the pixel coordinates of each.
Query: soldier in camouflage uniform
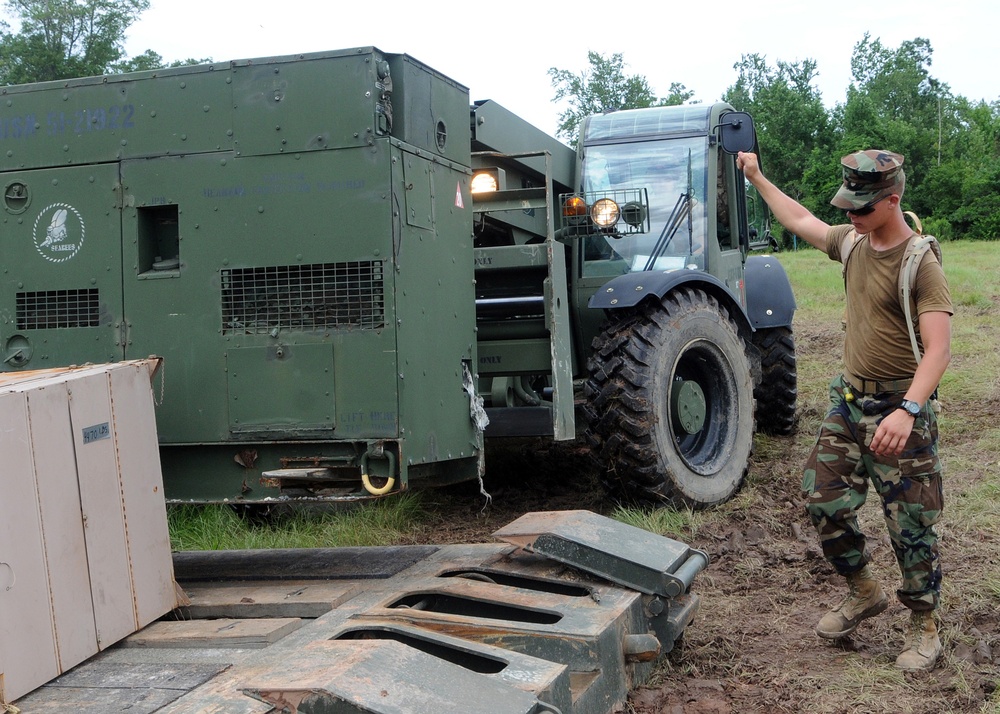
column 880, row 428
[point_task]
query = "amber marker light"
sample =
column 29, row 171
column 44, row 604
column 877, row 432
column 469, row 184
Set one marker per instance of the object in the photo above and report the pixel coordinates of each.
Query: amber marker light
column 574, row 207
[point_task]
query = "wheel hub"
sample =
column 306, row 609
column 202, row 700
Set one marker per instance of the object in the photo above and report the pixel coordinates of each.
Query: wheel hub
column 688, row 406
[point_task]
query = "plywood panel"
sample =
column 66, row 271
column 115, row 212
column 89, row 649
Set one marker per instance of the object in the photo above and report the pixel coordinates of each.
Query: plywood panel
column 62, row 524
column 27, row 639
column 142, row 492
column 101, row 501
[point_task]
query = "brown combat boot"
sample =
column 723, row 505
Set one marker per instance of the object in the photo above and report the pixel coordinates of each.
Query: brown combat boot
column 865, row 599
column 922, row 647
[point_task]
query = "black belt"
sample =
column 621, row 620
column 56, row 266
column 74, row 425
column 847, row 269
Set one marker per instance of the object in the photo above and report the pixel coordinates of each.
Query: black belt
column 877, row 386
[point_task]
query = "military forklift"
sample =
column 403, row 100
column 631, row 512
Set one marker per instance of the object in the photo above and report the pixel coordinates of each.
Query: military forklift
column 349, row 289
column 642, row 287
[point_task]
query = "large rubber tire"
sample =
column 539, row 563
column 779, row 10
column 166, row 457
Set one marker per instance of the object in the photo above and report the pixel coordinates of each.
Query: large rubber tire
column 778, row 389
column 653, row 370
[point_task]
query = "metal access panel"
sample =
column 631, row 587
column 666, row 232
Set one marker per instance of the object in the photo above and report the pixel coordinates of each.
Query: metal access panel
column 272, row 302
column 60, row 289
column 308, row 102
column 84, row 549
column 344, row 99
column 278, row 302
column 95, row 120
column 430, row 111
column 435, row 307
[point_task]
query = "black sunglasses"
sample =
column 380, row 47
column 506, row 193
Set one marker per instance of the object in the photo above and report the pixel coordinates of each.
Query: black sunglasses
column 865, row 210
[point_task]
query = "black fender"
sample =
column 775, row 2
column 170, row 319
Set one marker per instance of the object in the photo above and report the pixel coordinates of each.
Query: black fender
column 630, row 289
column 770, row 301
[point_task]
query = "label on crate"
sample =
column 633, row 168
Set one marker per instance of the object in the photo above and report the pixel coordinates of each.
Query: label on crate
column 96, row 433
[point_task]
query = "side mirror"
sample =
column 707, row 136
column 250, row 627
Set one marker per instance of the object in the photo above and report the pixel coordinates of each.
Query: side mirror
column 736, row 133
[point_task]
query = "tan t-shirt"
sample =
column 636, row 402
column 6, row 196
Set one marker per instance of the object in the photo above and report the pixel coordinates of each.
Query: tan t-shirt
column 877, row 342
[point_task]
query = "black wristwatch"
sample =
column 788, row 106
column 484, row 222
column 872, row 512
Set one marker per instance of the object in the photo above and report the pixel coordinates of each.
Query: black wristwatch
column 911, row 408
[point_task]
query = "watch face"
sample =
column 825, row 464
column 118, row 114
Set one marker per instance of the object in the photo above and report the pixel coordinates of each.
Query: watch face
column 912, row 408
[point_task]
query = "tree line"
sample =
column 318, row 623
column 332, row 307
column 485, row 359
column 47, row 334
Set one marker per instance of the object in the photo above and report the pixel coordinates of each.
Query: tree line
column 61, row 39
column 951, row 144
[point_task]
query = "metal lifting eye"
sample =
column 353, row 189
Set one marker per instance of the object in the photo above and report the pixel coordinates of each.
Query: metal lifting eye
column 15, row 197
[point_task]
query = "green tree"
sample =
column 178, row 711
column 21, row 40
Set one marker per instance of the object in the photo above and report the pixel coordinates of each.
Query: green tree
column 605, row 87
column 793, row 126
column 952, row 145
column 152, row 60
column 894, row 103
column 59, row 39
column 965, row 183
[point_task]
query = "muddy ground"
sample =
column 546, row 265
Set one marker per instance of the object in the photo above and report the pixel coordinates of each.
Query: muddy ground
column 752, row 647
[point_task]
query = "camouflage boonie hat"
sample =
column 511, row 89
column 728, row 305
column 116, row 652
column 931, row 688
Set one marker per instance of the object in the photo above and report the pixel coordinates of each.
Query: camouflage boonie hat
column 869, row 176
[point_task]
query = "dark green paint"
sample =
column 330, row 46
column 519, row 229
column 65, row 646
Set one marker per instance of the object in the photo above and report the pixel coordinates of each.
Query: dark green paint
column 299, row 260
column 296, row 237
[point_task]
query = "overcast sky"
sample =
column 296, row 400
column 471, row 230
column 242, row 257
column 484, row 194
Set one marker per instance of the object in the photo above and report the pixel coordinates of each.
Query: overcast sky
column 503, row 49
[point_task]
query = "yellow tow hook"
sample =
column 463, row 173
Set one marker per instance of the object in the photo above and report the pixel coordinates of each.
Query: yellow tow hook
column 366, row 479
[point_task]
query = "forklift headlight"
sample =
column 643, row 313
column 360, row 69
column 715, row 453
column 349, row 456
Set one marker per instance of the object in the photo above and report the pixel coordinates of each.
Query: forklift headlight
column 634, row 213
column 487, row 180
column 604, row 213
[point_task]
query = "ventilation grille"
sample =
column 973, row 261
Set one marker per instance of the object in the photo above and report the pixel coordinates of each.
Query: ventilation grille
column 53, row 309
column 303, row 297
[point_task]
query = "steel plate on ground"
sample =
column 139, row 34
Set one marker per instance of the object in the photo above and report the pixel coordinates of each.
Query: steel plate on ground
column 485, row 627
column 650, row 563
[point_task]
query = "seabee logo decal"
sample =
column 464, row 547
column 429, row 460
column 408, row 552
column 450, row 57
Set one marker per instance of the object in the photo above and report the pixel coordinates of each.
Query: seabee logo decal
column 58, row 232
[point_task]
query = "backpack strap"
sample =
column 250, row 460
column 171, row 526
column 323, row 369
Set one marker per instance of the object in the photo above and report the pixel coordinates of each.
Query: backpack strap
column 918, row 227
column 915, row 250
column 847, row 244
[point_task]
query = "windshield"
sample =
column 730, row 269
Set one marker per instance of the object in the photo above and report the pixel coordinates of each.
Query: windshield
column 673, row 172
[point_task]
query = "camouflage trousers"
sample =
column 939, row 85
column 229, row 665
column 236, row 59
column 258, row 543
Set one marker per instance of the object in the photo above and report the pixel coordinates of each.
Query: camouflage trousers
column 835, row 483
